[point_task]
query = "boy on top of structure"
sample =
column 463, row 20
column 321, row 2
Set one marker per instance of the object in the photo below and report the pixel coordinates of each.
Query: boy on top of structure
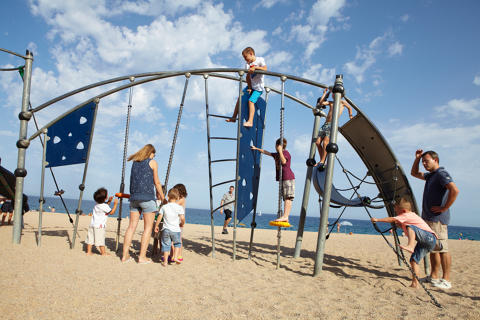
column 255, row 84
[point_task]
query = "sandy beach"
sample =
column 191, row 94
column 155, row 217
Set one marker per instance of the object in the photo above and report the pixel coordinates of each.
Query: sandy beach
column 360, row 279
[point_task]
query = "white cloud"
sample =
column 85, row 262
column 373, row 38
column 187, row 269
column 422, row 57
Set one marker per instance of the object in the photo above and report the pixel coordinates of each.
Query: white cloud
column 6, row 133
column 476, row 80
column 33, row 48
column 267, row 3
column 405, row 17
column 277, row 31
column 319, row 74
column 469, row 109
column 280, row 61
column 395, row 48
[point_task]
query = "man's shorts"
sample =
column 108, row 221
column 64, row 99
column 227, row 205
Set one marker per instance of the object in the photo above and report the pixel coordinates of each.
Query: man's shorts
column 254, row 95
column 7, row 207
column 143, row 206
column 228, row 214
column 96, row 236
column 425, row 243
column 168, row 237
column 441, row 231
column 325, row 130
column 288, row 189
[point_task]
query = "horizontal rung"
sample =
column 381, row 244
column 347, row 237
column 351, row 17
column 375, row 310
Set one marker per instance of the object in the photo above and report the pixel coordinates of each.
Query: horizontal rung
column 225, row 182
column 217, row 116
column 220, row 138
column 223, row 160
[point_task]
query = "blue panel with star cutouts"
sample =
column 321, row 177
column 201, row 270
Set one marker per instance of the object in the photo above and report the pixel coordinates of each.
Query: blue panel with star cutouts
column 70, row 138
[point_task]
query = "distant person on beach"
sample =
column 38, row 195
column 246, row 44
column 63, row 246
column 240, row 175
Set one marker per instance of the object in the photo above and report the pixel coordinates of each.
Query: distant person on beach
column 143, row 182
column 7, row 210
column 439, row 194
column 98, row 225
column 182, row 201
column 173, row 220
column 53, row 209
column 338, row 227
column 228, row 208
column 255, row 84
column 283, row 157
column 416, row 229
column 324, row 133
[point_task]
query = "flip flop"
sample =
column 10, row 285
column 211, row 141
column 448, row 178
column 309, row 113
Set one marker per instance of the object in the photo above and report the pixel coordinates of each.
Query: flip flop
column 180, row 258
column 129, row 259
column 149, row 261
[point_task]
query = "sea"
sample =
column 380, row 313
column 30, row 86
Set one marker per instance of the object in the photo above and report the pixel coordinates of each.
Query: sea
column 202, row 216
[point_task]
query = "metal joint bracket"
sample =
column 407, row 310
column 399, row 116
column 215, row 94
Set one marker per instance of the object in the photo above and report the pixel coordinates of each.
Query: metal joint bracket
column 187, row 75
column 205, row 76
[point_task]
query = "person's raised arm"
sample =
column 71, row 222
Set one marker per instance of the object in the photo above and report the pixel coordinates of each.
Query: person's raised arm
column 115, row 203
column 350, row 110
column 160, row 196
column 388, row 220
column 265, row 152
column 322, row 99
column 415, row 170
column 280, row 154
column 452, row 196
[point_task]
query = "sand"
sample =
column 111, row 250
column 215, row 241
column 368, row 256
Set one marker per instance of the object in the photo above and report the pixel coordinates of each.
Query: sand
column 360, row 279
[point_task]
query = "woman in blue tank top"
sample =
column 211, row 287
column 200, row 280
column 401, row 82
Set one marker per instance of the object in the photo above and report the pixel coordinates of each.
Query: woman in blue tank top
column 143, row 181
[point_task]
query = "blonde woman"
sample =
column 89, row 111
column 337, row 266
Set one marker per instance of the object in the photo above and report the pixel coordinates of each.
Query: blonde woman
column 143, row 181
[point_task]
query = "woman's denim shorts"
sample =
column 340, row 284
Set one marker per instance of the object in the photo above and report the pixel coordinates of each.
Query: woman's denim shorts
column 143, row 206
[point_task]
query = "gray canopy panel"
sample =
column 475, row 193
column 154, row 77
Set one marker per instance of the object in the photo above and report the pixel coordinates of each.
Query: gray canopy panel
column 380, row 161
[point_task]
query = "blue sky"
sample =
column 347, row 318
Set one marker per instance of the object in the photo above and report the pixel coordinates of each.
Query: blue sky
column 411, row 66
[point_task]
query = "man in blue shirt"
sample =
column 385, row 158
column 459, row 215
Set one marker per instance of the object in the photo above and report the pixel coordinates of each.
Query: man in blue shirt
column 439, row 195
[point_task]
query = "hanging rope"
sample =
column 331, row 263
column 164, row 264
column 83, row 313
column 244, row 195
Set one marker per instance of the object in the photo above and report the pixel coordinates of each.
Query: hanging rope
column 187, row 75
column 125, row 147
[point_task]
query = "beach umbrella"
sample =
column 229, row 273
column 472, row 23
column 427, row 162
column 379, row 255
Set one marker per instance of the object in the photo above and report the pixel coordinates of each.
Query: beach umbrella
column 346, row 223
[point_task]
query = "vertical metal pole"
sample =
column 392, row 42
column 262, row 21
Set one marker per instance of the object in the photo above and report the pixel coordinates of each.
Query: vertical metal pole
column 308, row 183
column 205, row 76
column 239, row 135
column 124, row 164
column 254, row 224
column 332, row 149
column 82, row 186
column 42, row 183
column 280, row 172
column 22, row 145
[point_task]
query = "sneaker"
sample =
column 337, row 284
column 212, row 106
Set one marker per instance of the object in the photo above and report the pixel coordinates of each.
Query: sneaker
column 429, row 280
column 443, row 284
column 224, row 231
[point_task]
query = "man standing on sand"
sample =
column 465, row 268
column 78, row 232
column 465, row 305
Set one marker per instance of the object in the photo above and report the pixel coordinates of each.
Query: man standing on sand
column 439, row 194
column 227, row 198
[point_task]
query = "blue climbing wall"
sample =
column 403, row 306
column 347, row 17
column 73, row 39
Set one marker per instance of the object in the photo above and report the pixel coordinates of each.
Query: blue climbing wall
column 69, row 138
column 249, row 161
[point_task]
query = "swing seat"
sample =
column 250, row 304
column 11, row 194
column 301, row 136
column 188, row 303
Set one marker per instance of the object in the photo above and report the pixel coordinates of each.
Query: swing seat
column 336, row 198
column 122, row 195
column 281, row 224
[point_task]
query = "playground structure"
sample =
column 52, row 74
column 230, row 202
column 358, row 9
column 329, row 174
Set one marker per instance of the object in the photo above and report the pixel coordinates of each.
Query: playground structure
column 360, row 132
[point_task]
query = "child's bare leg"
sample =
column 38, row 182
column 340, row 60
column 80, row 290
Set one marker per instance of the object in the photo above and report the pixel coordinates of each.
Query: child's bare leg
column 165, row 258
column 411, row 241
column 286, row 212
column 10, row 216
column 415, row 269
column 103, row 252
column 3, row 218
column 325, row 141
column 235, row 113
column 89, row 249
column 175, row 255
column 251, row 114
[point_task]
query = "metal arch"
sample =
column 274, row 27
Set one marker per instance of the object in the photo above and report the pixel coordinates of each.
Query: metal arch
column 15, row 54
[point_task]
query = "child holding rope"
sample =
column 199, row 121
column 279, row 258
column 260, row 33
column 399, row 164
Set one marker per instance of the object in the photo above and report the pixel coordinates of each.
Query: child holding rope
column 416, row 229
column 98, row 225
column 255, row 84
column 288, row 177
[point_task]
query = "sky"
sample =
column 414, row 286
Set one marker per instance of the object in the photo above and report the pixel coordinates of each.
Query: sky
column 411, row 66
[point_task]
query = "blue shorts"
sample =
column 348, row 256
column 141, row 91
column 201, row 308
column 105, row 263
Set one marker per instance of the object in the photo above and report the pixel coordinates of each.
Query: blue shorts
column 426, row 242
column 168, row 237
column 254, row 95
column 325, row 130
column 143, row 206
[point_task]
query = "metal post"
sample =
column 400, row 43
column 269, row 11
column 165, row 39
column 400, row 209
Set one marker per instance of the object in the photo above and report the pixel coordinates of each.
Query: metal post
column 308, row 183
column 42, row 183
column 22, row 145
column 239, row 135
column 280, row 171
column 254, row 224
column 82, row 186
column 205, row 76
column 332, row 149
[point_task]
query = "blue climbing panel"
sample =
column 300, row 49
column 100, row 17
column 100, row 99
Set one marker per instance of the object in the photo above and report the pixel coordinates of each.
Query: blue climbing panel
column 70, row 137
column 249, row 161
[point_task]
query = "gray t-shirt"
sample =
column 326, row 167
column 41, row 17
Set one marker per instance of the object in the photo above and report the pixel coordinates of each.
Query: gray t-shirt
column 227, row 197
